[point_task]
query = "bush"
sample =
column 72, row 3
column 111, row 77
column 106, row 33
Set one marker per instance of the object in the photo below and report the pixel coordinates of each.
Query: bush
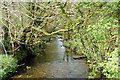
column 109, row 66
column 8, row 64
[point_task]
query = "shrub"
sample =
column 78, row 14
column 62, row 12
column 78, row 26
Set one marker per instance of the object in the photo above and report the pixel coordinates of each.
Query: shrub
column 109, row 66
column 8, row 64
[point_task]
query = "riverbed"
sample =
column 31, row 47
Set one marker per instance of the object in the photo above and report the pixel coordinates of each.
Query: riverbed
column 55, row 62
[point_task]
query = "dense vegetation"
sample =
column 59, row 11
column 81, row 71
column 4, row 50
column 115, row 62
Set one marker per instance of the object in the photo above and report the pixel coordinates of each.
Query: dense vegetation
column 89, row 28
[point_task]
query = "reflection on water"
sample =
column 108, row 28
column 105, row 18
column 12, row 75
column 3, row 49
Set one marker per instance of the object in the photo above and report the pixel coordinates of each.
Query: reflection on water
column 55, row 63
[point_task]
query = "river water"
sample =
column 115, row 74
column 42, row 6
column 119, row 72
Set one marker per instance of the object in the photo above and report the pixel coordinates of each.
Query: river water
column 55, row 62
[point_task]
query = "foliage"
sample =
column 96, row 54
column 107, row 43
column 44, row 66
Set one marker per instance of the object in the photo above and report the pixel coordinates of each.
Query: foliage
column 27, row 67
column 8, row 64
column 86, row 27
column 109, row 67
column 95, row 36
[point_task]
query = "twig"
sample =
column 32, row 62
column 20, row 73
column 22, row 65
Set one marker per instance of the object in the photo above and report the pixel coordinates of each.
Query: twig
column 14, row 49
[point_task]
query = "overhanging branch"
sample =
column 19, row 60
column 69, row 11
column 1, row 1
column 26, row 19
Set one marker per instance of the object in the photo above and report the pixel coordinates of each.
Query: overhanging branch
column 46, row 33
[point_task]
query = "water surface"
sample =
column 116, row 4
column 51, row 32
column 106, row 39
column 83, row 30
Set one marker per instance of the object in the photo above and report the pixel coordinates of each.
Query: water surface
column 55, row 62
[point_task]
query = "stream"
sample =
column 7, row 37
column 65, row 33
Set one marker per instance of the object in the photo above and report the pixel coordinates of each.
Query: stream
column 55, row 62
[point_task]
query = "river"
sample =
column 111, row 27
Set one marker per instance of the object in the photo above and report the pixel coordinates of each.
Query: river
column 55, row 62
